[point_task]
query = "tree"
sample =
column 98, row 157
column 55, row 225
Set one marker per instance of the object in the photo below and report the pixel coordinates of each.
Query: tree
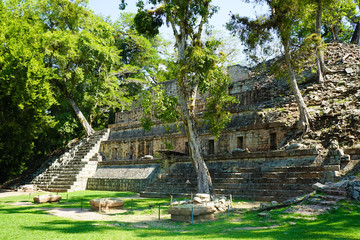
column 335, row 12
column 198, row 72
column 55, row 57
column 80, row 54
column 25, row 93
column 356, row 35
column 282, row 17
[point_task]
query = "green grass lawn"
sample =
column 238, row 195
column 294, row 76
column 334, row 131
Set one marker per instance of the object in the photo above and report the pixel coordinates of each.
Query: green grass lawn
column 32, row 222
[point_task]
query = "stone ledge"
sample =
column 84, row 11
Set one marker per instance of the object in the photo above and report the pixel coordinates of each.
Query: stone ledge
column 238, row 156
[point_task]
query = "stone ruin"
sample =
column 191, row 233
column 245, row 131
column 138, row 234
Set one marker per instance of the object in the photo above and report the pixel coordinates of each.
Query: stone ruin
column 200, row 208
column 47, row 198
column 259, row 154
column 106, row 204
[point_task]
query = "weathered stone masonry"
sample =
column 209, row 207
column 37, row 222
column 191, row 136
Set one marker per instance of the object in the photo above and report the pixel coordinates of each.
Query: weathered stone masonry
column 241, row 161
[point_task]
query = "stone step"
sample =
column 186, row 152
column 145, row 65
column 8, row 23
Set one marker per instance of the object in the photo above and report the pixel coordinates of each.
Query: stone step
column 262, row 192
column 172, row 189
column 60, row 186
column 164, row 195
column 335, row 192
column 263, row 186
column 299, row 169
column 50, row 189
column 65, row 180
column 268, row 175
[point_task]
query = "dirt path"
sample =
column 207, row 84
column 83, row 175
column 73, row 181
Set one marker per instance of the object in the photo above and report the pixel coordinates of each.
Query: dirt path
column 116, row 215
column 11, row 193
column 88, row 215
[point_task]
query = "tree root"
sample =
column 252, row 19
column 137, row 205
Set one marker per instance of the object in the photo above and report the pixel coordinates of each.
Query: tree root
column 287, row 202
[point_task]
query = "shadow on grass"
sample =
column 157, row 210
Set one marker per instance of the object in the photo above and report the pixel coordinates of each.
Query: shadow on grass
column 338, row 224
column 342, row 223
column 66, row 226
column 20, row 210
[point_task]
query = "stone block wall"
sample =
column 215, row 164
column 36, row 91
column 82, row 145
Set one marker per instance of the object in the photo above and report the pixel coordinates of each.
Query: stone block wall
column 119, row 177
column 265, row 176
column 134, row 142
column 108, row 184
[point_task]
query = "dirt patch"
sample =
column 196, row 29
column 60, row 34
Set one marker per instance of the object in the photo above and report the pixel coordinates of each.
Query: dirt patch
column 116, row 215
column 10, row 193
column 308, row 210
column 247, row 205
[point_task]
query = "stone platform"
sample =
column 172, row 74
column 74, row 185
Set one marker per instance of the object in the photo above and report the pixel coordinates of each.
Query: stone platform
column 106, row 204
column 184, row 212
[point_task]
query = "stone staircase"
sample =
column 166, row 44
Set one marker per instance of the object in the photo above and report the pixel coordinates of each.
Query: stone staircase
column 71, row 171
column 256, row 183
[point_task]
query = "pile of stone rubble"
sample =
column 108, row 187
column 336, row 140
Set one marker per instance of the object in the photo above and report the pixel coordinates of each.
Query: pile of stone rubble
column 341, row 53
column 350, row 185
column 199, row 208
column 203, row 199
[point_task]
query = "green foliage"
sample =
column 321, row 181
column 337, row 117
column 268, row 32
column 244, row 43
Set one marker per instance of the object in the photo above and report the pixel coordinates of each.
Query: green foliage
column 148, row 24
column 337, row 17
column 197, row 66
column 25, row 93
column 53, row 51
column 156, row 103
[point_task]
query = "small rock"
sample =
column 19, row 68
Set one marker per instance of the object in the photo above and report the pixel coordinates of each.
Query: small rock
column 197, row 200
column 319, row 186
column 263, row 214
column 355, row 194
column 274, row 202
column 203, row 196
column 349, row 70
column 295, row 146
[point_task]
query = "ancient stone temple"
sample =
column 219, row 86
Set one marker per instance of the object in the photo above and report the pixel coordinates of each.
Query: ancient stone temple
column 128, row 140
column 253, row 158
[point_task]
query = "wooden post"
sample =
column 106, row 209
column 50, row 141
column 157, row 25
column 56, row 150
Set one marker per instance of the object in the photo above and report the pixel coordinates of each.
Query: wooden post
column 228, row 210
column 231, row 203
column 99, row 205
column 171, row 199
column 192, row 214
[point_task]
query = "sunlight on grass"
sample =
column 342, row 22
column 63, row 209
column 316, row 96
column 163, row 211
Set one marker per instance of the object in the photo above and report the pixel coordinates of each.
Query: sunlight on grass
column 33, row 222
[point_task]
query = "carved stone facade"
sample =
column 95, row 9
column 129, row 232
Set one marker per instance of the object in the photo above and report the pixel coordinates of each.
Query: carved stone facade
column 128, row 140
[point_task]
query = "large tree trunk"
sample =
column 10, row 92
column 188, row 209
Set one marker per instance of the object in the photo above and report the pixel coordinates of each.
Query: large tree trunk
column 88, row 129
column 204, row 183
column 320, row 62
column 356, row 35
column 319, row 55
column 187, row 100
column 304, row 114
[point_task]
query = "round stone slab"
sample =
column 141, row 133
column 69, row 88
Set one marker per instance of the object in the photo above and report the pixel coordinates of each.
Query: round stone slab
column 184, row 212
column 106, row 203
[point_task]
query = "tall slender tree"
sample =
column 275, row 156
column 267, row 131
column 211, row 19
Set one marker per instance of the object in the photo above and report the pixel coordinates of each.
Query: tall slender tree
column 282, row 17
column 198, row 72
